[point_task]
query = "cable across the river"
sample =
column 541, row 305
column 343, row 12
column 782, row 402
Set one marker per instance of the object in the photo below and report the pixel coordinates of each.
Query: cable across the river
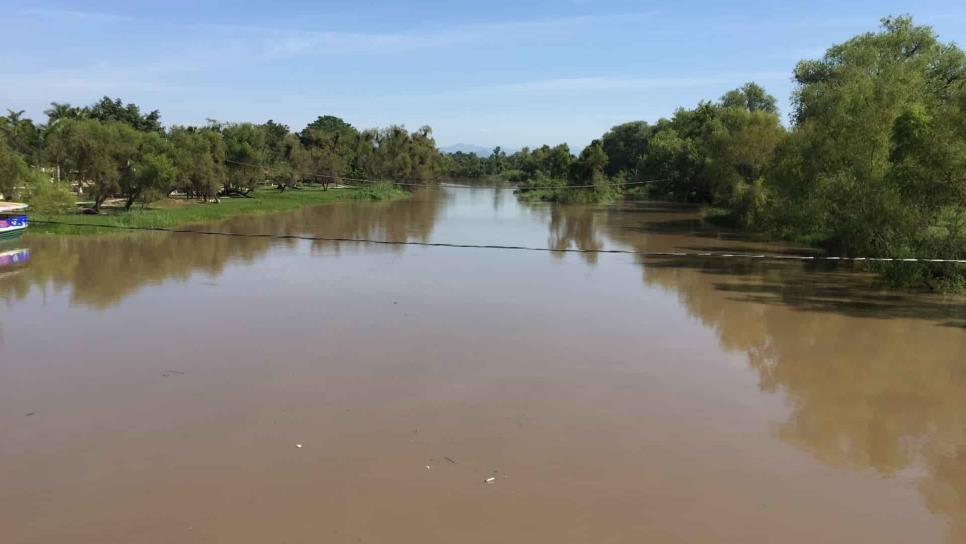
column 657, row 254
column 414, row 183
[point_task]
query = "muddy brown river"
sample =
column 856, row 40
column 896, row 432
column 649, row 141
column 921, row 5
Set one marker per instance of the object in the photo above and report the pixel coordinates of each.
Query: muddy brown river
column 182, row 388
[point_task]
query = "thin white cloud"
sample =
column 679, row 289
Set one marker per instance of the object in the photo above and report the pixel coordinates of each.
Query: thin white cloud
column 612, row 83
column 280, row 42
column 72, row 85
column 802, row 53
column 73, row 15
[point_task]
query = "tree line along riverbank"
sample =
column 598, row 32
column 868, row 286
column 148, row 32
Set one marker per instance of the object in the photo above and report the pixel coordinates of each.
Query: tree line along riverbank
column 111, row 151
column 871, row 164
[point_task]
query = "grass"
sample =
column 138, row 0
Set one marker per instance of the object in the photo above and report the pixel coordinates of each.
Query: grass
column 722, row 217
column 535, row 195
column 172, row 212
column 566, row 195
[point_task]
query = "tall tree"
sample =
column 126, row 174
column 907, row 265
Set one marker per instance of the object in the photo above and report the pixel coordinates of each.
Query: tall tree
column 130, row 114
column 22, row 135
column 149, row 173
column 626, row 146
column 199, row 160
column 13, row 171
column 751, row 97
column 94, row 154
column 245, row 157
column 276, row 146
column 495, row 163
column 558, row 161
column 876, row 163
column 588, row 169
column 329, row 124
column 62, row 110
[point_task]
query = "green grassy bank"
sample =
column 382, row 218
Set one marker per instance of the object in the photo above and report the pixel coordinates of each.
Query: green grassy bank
column 175, row 212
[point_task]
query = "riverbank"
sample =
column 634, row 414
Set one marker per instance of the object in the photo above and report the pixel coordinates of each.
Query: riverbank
column 177, row 212
column 558, row 190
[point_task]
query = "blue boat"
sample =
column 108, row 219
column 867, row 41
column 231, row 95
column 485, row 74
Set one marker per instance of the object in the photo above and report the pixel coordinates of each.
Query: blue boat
column 13, row 220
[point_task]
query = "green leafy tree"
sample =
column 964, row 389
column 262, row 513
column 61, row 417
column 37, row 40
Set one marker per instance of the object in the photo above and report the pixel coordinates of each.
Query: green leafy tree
column 45, row 195
column 150, row 172
column 327, row 166
column 334, row 146
column 328, row 124
column 13, row 171
column 130, row 114
column 626, row 146
column 558, row 161
column 94, row 154
column 198, row 155
column 676, row 162
column 19, row 181
column 276, row 145
column 426, row 160
column 245, row 157
column 365, row 161
column 465, row 165
column 740, row 148
column 588, row 169
column 62, row 110
column 22, row 136
column 751, row 97
column 294, row 163
column 876, row 163
column 496, row 162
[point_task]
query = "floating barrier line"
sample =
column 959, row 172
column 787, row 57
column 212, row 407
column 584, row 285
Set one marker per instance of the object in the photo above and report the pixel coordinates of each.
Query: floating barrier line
column 761, row 256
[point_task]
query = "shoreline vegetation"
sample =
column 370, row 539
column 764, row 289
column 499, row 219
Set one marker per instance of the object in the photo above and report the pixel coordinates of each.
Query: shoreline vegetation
column 182, row 212
column 110, row 155
column 871, row 164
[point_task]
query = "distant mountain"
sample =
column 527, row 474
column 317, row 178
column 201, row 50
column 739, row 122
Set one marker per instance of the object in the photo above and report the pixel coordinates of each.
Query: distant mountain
column 480, row 150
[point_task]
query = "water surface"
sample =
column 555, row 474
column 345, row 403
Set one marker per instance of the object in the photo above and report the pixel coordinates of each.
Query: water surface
column 155, row 388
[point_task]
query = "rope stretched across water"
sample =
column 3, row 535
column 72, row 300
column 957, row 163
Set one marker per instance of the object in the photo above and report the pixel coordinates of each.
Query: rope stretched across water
column 658, row 254
column 416, row 183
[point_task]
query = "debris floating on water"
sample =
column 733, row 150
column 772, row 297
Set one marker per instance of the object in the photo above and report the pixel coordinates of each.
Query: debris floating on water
column 428, row 467
column 298, row 445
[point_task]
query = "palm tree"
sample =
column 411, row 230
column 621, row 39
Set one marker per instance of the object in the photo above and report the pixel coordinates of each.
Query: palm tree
column 60, row 110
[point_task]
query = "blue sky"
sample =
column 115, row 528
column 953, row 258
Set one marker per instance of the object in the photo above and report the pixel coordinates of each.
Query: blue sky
column 496, row 72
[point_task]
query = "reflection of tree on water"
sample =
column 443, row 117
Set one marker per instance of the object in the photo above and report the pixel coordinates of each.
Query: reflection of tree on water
column 398, row 221
column 866, row 392
column 13, row 260
column 875, row 380
column 575, row 227
column 101, row 271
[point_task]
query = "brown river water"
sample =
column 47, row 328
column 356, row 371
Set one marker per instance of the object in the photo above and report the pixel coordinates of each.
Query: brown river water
column 156, row 388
